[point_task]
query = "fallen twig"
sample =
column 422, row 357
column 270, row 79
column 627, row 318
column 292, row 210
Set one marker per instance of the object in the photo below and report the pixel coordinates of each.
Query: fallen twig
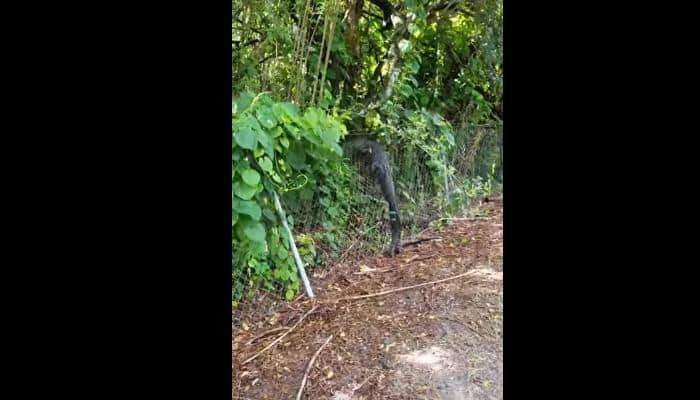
column 420, row 258
column 345, row 253
column 407, row 262
column 281, row 336
column 402, row 288
column 466, row 219
column 311, row 363
column 262, row 335
column 411, row 259
column 356, row 388
column 370, row 270
column 419, row 240
column 297, row 298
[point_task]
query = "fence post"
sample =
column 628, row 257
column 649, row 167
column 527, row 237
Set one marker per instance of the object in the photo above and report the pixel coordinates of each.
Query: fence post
column 447, row 187
column 292, row 244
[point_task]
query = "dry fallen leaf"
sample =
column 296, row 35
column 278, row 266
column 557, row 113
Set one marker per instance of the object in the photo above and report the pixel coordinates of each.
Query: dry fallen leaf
column 364, row 269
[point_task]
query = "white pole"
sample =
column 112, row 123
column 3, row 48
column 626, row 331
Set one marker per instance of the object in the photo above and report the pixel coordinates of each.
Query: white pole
column 447, row 187
column 295, row 252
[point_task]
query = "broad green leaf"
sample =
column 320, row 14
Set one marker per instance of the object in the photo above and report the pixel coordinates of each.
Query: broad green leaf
column 264, row 139
column 245, row 138
column 243, row 101
column 282, row 110
column 247, row 207
column 276, row 132
column 329, row 136
column 270, row 215
column 251, row 177
column 270, row 151
column 265, row 163
column 293, row 130
column 258, row 248
column 312, row 135
column 281, row 274
column 243, row 190
column 312, row 116
column 266, row 117
column 285, row 142
column 337, row 149
column 255, row 231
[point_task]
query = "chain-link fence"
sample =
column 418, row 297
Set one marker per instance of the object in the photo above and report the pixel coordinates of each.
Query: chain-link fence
column 475, row 159
column 473, row 166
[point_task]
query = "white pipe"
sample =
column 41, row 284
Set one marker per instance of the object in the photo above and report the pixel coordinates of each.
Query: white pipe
column 295, row 252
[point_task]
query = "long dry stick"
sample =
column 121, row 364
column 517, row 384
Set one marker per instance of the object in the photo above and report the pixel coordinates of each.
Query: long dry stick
column 466, row 219
column 311, row 363
column 266, row 333
column 274, row 342
column 421, row 258
column 369, row 271
column 407, row 243
column 364, row 296
column 356, row 388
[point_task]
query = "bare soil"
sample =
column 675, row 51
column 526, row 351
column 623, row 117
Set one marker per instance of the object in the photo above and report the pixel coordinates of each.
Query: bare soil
column 440, row 341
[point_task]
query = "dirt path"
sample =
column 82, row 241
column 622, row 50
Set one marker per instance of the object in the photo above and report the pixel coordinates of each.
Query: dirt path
column 440, row 341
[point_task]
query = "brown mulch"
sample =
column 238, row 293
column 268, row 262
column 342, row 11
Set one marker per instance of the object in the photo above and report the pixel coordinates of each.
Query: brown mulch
column 436, row 341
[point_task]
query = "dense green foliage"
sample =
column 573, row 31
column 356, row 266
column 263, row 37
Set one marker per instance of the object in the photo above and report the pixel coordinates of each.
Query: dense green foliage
column 278, row 149
column 424, row 77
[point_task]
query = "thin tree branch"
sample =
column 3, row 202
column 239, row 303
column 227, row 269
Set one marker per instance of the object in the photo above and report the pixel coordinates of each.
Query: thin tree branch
column 269, row 346
column 311, row 364
column 403, row 288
